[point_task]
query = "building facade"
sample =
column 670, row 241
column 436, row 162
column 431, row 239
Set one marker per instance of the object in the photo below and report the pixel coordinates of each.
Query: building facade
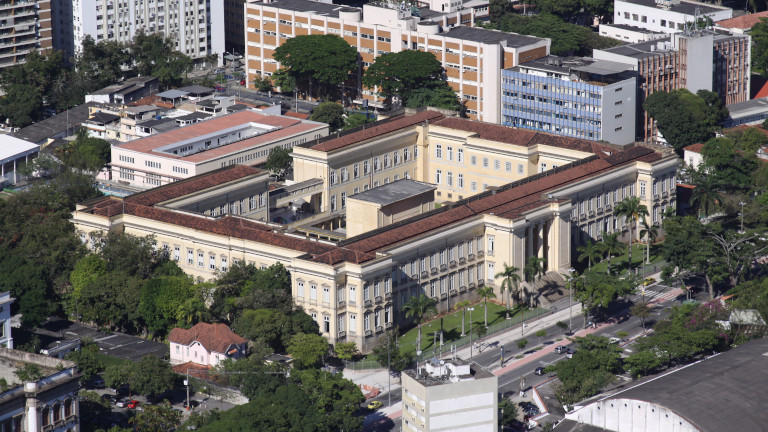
column 666, row 16
column 576, row 97
column 472, row 57
column 6, row 338
column 244, row 137
column 48, row 404
column 449, row 395
column 196, row 26
column 25, row 26
column 701, row 60
column 205, row 344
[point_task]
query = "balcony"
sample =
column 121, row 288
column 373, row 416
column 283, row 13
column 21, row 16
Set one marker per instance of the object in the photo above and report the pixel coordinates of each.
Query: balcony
column 480, row 253
column 368, row 303
column 471, row 285
column 434, row 270
column 443, row 296
column 462, row 260
column 655, row 196
column 424, row 274
column 471, row 257
column 480, row 283
column 342, row 306
column 607, row 207
column 452, row 264
column 379, row 329
column 463, row 288
column 342, row 334
column 443, row 267
column 453, row 292
column 583, row 216
column 368, row 333
column 591, row 213
column 379, row 299
column 389, row 325
column 388, row 295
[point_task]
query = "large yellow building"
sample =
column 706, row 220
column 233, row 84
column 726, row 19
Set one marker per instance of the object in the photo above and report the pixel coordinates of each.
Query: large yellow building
column 355, row 288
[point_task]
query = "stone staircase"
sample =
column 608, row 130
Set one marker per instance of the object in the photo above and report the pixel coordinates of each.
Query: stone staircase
column 549, row 289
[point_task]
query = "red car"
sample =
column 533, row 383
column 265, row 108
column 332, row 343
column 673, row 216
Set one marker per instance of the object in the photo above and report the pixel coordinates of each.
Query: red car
column 132, row 404
column 242, row 82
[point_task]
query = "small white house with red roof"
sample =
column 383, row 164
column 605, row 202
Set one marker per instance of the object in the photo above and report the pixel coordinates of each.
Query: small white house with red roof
column 692, row 155
column 205, row 344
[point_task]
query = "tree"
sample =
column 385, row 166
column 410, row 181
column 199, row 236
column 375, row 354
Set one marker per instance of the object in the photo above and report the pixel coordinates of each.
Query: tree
column 331, row 113
column 307, row 350
column 387, row 350
column 437, row 94
column 21, row 105
column 155, row 55
column 591, row 368
column 346, row 350
column 327, row 59
column 356, row 120
column 759, row 34
column 400, row 73
column 333, row 395
column 279, row 161
column 541, row 334
column 611, row 246
column 102, row 63
column 151, row 376
column 509, row 417
column 510, row 284
column 29, row 372
column 599, row 290
column 642, row 311
column 419, row 308
column 591, row 251
column 688, row 247
column 283, row 80
column 86, row 358
column 161, row 298
column 485, row 292
column 85, row 152
column 463, row 306
column 262, row 84
column 522, row 343
column 650, row 232
column 497, row 9
column 562, row 325
column 535, row 268
column 729, row 167
column 156, row 418
column 631, row 209
column 192, row 311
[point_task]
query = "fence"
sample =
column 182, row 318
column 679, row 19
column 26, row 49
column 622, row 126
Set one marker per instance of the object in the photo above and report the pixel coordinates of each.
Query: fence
column 463, row 342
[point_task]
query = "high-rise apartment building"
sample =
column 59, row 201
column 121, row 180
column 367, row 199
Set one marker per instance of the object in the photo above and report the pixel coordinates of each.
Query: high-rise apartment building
column 24, row 26
column 197, row 26
column 473, row 57
column 666, row 16
column 697, row 60
column 573, row 96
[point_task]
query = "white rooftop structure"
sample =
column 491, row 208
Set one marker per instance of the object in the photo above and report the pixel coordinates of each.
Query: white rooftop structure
column 12, row 151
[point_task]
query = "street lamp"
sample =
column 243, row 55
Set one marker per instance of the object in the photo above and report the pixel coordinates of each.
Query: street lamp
column 570, row 303
column 470, row 332
column 742, row 215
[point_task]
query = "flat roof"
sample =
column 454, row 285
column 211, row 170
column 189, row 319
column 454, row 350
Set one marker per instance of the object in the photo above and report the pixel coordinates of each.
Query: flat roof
column 102, row 117
column 129, row 84
column 726, row 392
column 12, row 148
column 630, row 28
column 394, row 192
column 584, row 64
column 477, row 34
column 308, row 6
column 196, row 89
column 173, row 94
column 60, row 123
column 752, row 106
column 684, row 7
column 643, row 49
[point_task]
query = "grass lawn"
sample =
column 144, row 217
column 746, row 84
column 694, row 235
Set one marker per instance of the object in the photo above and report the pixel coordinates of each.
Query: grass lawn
column 619, row 263
column 452, row 326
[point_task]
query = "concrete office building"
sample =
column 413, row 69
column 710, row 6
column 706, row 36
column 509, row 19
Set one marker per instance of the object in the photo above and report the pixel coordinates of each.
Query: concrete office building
column 572, row 96
column 197, row 26
column 449, row 395
column 47, row 404
column 6, row 338
column 628, row 33
column 244, row 137
column 666, row 16
column 472, row 57
column 355, row 287
column 25, row 26
column 700, row 60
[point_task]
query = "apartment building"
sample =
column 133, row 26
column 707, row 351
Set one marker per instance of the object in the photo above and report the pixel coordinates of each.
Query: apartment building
column 449, row 395
column 355, row 288
column 473, row 57
column 40, row 404
column 666, row 16
column 244, row 137
column 696, row 60
column 573, row 96
column 25, row 25
column 197, row 26
column 628, row 33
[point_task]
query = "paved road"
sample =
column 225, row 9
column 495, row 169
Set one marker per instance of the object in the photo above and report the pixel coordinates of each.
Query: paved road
column 275, row 98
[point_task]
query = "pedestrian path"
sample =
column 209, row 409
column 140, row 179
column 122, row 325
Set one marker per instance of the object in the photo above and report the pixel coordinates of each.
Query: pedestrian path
column 668, row 295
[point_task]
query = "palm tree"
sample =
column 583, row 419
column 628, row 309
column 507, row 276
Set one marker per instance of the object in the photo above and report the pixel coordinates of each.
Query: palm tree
column 192, row 311
column 590, row 252
column 486, row 292
column 419, row 308
column 463, row 306
column 632, row 209
column 706, row 194
column 534, row 268
column 611, row 246
column 511, row 281
column 650, row 232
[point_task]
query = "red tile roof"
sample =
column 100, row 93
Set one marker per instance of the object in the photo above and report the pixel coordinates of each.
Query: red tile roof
column 377, row 130
column 761, row 85
column 695, row 148
column 213, row 337
column 297, row 115
column 522, row 137
column 744, row 22
column 192, row 185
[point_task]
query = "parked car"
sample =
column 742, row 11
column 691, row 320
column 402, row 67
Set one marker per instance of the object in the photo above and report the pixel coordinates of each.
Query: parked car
column 192, row 403
column 242, row 82
column 218, row 71
column 373, row 405
column 529, row 408
column 614, row 340
column 539, row 371
column 96, row 382
column 134, row 404
column 561, row 349
column 121, row 403
column 570, row 353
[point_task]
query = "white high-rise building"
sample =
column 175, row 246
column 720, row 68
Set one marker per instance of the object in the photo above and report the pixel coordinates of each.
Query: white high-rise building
column 197, row 26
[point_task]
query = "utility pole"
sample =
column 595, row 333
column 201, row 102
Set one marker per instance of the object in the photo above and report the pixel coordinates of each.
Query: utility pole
column 470, row 332
column 570, row 304
column 186, row 383
column 389, row 375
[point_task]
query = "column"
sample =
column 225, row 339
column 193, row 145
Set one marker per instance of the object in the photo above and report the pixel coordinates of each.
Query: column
column 540, row 240
column 528, row 244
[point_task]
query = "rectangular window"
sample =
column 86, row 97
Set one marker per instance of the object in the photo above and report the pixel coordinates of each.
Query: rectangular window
column 200, row 259
column 520, row 169
column 491, row 271
column 343, row 200
column 212, row 262
column 312, row 292
column 333, row 203
column 438, row 151
column 473, row 160
column 300, row 289
column 460, row 155
column 460, row 181
column 326, row 294
column 449, row 153
column 438, row 176
column 491, row 241
column 485, row 163
column 366, row 292
column 356, row 170
column 449, row 179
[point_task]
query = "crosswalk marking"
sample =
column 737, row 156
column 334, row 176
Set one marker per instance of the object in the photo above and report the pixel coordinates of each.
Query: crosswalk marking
column 669, row 295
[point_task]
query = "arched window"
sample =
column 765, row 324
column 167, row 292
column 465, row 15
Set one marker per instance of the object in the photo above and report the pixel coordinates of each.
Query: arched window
column 46, row 415
column 69, row 407
column 56, row 412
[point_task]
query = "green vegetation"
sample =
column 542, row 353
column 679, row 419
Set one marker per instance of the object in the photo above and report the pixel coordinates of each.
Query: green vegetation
column 279, row 161
column 150, row 376
column 591, row 368
column 331, row 113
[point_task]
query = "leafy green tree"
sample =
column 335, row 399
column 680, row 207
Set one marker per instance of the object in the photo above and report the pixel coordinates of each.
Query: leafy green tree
column 102, row 63
column 92, row 409
column 533, row 269
column 283, row 80
column 541, row 334
column 331, row 113
column 260, row 384
column 85, row 152
column 269, row 326
column 437, row 94
column 307, row 350
column 485, row 292
column 355, row 120
column 21, row 105
column 155, row 55
column 87, row 360
column 279, row 161
column 497, row 9
column 419, row 308
column 650, row 232
column 346, row 350
column 611, row 246
column 591, row 251
column 262, row 84
column 759, row 34
column 325, row 59
column 388, row 349
column 161, row 298
column 29, row 372
column 642, row 311
column 706, row 194
column 510, row 413
column 156, row 418
column 522, row 343
column 244, row 286
column 399, row 73
column 599, row 290
column 151, row 376
column 510, row 284
column 591, row 368
column 729, row 168
column 192, row 311
column 333, row 395
column 631, row 209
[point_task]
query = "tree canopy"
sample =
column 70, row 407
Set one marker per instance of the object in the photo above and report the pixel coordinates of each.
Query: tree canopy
column 279, row 161
column 399, row 73
column 155, row 55
column 591, row 368
column 331, row 113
